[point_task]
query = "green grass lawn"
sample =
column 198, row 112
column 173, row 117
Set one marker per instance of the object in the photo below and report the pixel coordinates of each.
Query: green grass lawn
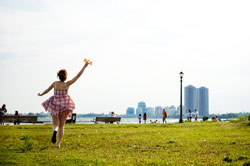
column 195, row 143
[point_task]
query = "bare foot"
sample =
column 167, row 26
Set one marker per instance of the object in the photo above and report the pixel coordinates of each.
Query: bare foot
column 58, row 146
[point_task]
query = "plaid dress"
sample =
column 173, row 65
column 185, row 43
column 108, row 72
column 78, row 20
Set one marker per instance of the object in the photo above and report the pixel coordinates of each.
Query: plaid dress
column 58, row 103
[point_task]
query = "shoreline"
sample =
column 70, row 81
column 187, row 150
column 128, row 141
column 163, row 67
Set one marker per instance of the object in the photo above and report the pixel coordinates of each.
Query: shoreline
column 48, row 120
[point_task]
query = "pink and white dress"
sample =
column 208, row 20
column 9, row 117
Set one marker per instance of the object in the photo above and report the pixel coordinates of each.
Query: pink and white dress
column 59, row 102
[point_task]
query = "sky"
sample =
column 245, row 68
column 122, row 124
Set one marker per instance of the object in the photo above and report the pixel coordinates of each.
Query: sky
column 138, row 48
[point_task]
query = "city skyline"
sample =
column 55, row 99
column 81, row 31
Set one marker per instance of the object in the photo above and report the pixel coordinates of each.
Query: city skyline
column 153, row 112
column 138, row 49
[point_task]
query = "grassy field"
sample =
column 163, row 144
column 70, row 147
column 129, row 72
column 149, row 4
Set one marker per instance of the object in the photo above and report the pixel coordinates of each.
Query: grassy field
column 195, row 143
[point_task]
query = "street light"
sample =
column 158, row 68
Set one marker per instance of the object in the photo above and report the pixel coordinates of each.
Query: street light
column 181, row 76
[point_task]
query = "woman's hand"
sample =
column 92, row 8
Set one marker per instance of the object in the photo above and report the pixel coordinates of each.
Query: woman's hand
column 86, row 64
column 39, row 94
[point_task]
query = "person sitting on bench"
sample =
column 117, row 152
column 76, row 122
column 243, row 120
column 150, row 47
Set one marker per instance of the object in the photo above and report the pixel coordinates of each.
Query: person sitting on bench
column 3, row 110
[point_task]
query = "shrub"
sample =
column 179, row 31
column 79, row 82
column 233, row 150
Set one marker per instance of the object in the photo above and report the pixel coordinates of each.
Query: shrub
column 242, row 158
column 228, row 159
column 233, row 143
column 27, row 145
column 171, row 141
column 246, row 163
column 239, row 119
column 242, row 118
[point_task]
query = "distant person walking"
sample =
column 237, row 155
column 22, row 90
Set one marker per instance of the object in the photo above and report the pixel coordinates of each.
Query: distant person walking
column 145, row 118
column 60, row 105
column 189, row 115
column 196, row 115
column 164, row 116
column 139, row 118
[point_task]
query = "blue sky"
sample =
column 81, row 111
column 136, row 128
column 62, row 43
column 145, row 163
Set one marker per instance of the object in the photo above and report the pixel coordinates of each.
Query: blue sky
column 138, row 49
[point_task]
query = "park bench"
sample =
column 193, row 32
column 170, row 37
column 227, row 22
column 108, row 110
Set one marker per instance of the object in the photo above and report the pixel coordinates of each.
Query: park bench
column 108, row 119
column 16, row 119
column 73, row 119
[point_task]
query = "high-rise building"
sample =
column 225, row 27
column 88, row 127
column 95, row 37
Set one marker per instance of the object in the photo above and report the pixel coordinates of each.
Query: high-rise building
column 196, row 99
column 130, row 112
column 203, row 101
column 141, row 108
column 150, row 112
column 190, row 98
column 171, row 110
column 158, row 112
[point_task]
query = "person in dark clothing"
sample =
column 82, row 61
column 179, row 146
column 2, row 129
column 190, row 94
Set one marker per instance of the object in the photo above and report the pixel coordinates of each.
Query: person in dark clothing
column 145, row 117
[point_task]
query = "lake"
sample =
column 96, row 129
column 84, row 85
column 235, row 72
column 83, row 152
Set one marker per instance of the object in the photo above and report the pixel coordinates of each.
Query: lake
column 83, row 120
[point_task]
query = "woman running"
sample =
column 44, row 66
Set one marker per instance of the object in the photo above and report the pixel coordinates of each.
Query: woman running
column 60, row 105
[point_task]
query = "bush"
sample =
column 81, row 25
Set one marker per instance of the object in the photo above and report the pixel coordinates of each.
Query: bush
column 27, row 145
column 246, row 163
column 239, row 119
column 228, row 159
column 242, row 158
column 242, row 118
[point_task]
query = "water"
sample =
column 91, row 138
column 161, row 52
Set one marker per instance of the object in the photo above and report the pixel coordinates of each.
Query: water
column 48, row 120
column 82, row 120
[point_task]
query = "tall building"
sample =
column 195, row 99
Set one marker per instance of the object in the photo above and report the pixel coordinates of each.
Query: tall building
column 158, row 112
column 203, row 101
column 171, row 110
column 196, row 99
column 130, row 112
column 141, row 108
column 150, row 112
column 190, row 99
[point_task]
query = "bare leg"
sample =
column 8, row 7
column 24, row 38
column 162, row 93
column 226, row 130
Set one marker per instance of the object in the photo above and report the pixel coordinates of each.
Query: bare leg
column 55, row 128
column 62, row 119
column 55, row 123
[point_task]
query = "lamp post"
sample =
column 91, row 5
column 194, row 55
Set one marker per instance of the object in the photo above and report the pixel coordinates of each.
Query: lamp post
column 181, row 76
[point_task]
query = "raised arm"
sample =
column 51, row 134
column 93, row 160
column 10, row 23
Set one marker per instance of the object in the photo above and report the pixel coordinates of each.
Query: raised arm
column 47, row 90
column 78, row 75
